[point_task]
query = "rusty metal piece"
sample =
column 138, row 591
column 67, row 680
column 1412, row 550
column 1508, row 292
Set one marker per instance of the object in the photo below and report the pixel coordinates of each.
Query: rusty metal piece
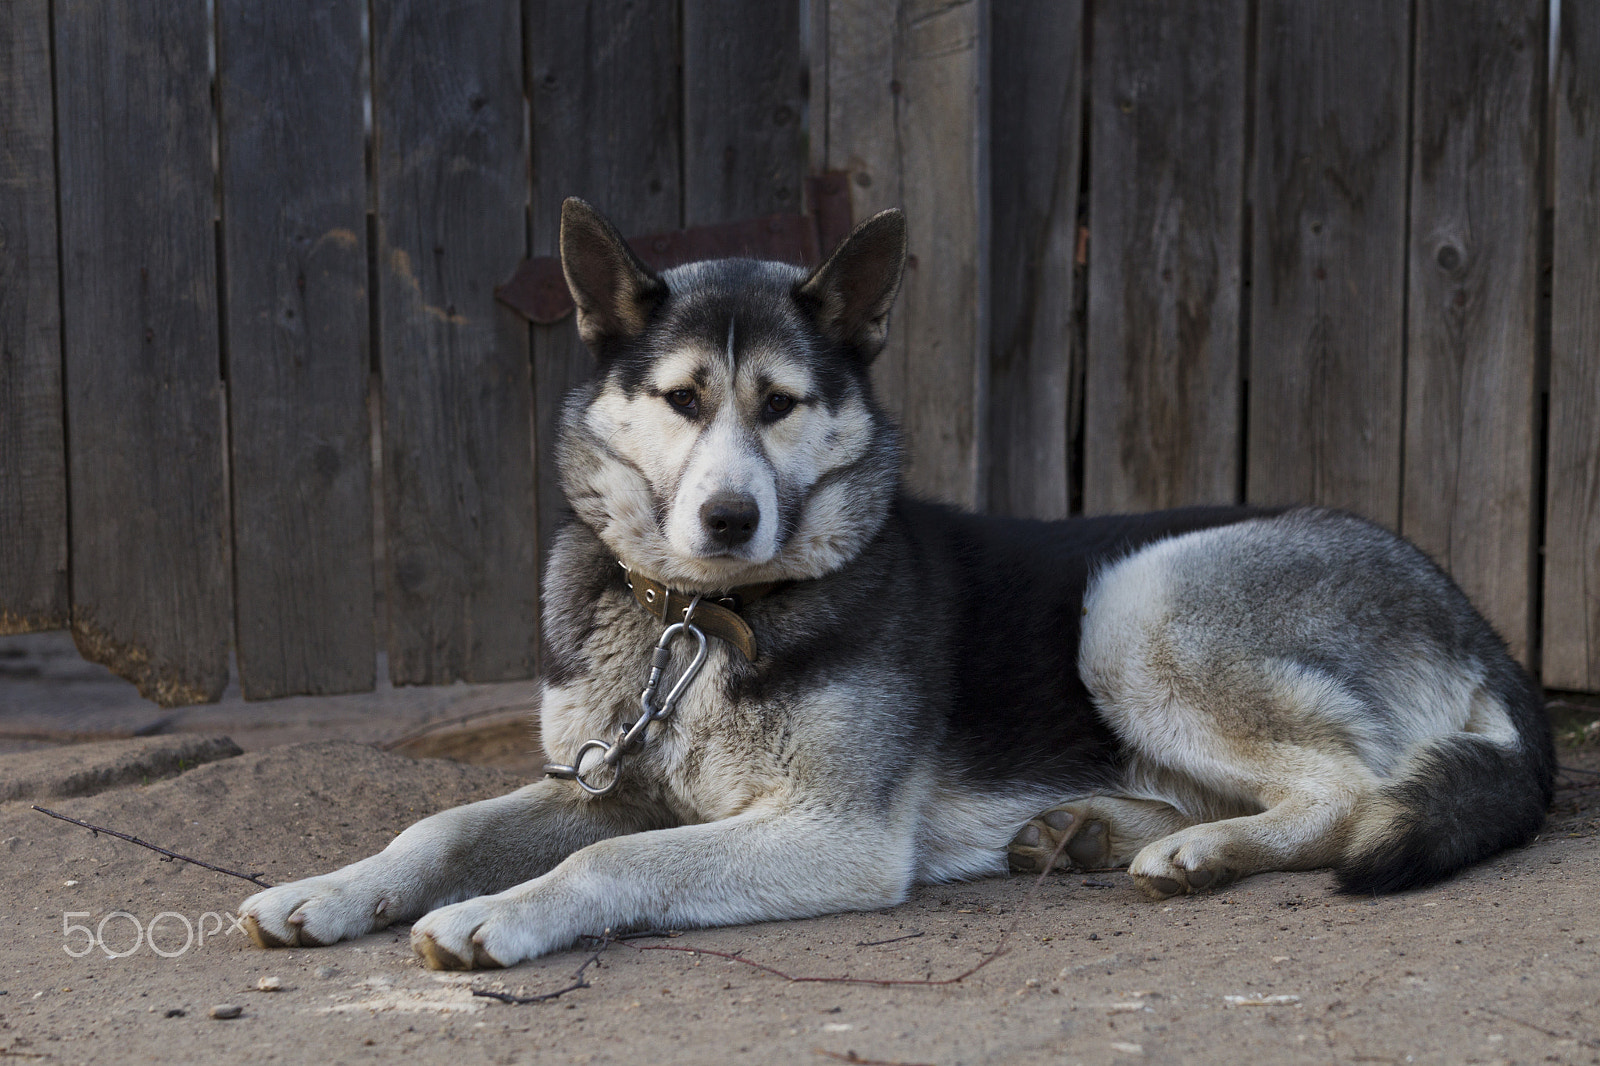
column 538, row 290
column 828, row 194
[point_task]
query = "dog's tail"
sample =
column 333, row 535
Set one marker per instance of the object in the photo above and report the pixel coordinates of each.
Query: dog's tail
column 1459, row 800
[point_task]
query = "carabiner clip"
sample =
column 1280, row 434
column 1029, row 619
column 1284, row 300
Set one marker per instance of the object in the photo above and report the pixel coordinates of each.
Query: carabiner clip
column 634, row 732
column 658, row 663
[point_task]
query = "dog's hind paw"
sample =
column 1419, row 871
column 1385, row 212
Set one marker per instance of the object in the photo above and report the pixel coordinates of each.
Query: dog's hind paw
column 1101, row 832
column 311, row 913
column 1086, row 841
column 1180, row 864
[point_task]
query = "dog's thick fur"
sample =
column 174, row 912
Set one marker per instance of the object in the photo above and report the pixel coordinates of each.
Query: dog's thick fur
column 1202, row 694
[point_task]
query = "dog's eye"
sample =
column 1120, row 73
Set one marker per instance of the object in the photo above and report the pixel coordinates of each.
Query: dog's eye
column 778, row 405
column 684, row 400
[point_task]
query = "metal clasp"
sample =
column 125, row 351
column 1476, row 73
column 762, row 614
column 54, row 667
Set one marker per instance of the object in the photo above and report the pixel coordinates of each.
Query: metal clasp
column 634, row 733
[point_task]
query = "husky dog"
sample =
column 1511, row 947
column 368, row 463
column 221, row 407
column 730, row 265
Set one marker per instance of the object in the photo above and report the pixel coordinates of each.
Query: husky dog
column 894, row 692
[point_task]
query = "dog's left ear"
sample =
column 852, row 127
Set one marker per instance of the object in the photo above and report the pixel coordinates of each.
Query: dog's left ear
column 612, row 290
column 850, row 295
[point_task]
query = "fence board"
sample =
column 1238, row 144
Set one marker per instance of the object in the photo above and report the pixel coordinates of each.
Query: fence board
column 1035, row 358
column 906, row 108
column 294, row 226
column 607, row 122
column 854, row 45
column 1571, row 653
column 1328, row 292
column 458, row 452
column 743, row 154
column 33, row 474
column 1162, row 405
column 150, row 574
column 1470, row 389
column 943, row 134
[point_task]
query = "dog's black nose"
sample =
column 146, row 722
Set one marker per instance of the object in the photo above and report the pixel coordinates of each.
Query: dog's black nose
column 730, row 518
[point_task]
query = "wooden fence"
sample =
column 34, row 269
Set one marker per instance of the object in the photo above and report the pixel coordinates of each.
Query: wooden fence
column 1334, row 251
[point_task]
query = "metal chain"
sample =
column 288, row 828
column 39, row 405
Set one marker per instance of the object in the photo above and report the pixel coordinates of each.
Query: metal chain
column 633, row 733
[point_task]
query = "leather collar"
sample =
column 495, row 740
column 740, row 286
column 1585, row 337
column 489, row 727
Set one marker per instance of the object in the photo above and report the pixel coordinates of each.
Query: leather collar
column 717, row 615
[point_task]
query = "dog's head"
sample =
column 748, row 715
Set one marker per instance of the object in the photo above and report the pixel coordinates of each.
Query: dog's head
column 731, row 436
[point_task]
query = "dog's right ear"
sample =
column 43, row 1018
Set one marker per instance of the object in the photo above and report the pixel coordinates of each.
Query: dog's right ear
column 612, row 290
column 849, row 296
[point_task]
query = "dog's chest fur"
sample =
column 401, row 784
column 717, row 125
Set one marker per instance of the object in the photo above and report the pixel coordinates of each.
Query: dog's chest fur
column 714, row 756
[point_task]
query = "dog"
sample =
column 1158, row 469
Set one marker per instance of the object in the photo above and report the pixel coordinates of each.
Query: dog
column 848, row 691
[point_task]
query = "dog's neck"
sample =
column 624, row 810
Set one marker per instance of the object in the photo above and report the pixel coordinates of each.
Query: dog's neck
column 717, row 614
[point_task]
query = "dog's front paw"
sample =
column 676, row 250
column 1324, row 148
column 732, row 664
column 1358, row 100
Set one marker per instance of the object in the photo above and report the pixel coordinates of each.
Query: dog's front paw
column 482, row 933
column 312, row 913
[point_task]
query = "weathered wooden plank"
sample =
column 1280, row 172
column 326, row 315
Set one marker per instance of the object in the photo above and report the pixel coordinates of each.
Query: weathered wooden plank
column 1471, row 391
column 943, row 130
column 294, row 224
column 452, row 179
column 1571, row 651
column 1035, row 358
column 1327, row 308
column 906, row 110
column 33, row 462
column 854, row 83
column 607, row 126
column 149, row 503
column 743, row 152
column 1162, row 403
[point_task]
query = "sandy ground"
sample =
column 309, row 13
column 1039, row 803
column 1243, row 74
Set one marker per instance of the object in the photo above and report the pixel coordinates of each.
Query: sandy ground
column 1500, row 965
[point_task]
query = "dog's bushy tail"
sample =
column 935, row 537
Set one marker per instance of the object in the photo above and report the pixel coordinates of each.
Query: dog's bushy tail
column 1461, row 799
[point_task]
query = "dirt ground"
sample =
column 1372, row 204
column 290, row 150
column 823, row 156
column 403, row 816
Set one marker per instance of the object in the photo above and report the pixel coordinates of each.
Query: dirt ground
column 1500, row 965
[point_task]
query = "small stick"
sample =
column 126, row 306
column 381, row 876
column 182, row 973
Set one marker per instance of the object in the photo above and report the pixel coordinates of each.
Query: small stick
column 1540, row 1028
column 844, row 980
column 578, row 981
column 1564, row 768
column 254, row 879
column 851, row 1056
column 641, row 934
column 891, row 940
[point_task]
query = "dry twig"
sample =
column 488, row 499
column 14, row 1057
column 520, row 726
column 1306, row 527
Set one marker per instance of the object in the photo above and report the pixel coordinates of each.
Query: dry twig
column 254, row 879
column 844, row 979
column 851, row 1056
column 578, row 980
column 1540, row 1028
column 891, row 940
